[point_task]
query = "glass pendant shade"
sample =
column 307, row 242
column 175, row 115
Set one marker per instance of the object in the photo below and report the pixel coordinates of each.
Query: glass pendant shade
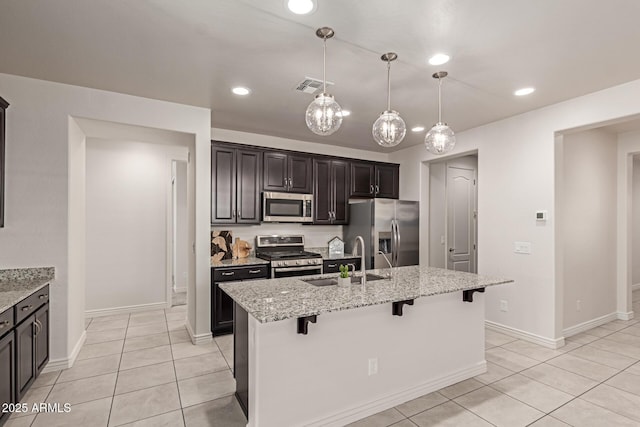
column 389, row 129
column 324, row 115
column 440, row 139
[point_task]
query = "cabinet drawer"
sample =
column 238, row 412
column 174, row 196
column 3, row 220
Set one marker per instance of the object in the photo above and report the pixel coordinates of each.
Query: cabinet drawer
column 240, row 273
column 30, row 304
column 333, row 266
column 6, row 321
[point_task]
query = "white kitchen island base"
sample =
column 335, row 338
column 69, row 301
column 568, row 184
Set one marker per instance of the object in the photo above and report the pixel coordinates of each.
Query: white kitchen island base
column 322, row 378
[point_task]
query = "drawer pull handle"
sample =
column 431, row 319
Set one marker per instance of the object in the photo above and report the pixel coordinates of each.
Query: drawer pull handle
column 332, row 265
column 43, row 296
column 254, row 271
column 27, row 307
column 230, row 273
column 3, row 324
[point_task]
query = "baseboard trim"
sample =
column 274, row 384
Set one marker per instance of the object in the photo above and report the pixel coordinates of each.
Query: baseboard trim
column 589, row 324
column 523, row 335
column 393, row 399
column 635, row 287
column 66, row 362
column 198, row 339
column 127, row 309
column 621, row 315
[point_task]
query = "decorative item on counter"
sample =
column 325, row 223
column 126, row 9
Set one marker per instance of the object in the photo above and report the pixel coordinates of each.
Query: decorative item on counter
column 241, row 249
column 221, row 245
column 344, row 280
column 336, row 248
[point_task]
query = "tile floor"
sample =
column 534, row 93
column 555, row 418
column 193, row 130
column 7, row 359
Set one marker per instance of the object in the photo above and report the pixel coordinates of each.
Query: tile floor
column 141, row 370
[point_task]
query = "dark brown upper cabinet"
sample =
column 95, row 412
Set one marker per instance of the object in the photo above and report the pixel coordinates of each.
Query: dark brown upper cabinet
column 3, row 107
column 369, row 180
column 331, row 191
column 235, row 185
column 287, row 172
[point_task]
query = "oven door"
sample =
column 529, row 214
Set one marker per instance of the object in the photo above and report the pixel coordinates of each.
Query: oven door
column 287, row 207
column 307, row 270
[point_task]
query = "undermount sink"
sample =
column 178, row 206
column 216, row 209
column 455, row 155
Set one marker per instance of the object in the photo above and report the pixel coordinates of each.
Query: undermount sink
column 332, row 281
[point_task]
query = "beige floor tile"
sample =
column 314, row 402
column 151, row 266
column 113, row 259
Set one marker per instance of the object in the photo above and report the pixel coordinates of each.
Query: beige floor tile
column 629, row 350
column 110, row 318
column 206, row 387
column 104, row 326
column 634, row 369
column 461, row 388
column 549, row 421
column 90, row 368
column 616, row 400
column 94, row 414
column 633, row 330
column 626, row 381
column 531, row 350
column 176, row 325
column 581, row 413
column 581, row 338
column 190, row 367
column 176, row 317
column 147, row 319
column 142, row 404
column 145, row 377
column 147, row 313
column 150, row 329
column 90, row 351
column 584, row 367
column 148, row 356
column 33, row 395
column 186, row 349
column 607, row 358
column 84, row 390
column 87, row 322
column 146, row 341
column 614, row 326
column 498, row 408
column 449, row 414
column 223, row 412
column 103, row 336
column 508, row 359
column 531, row 392
column 381, row 419
column 170, row 419
column 496, row 338
column 560, row 379
column 494, row 373
column 404, row 423
column 625, row 338
column 20, row 422
column 46, row 378
column 225, row 342
column 176, row 309
column 179, row 336
column 422, row 403
column 599, row 332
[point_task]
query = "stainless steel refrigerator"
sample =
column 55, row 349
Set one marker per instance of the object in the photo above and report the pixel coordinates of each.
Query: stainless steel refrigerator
column 390, row 226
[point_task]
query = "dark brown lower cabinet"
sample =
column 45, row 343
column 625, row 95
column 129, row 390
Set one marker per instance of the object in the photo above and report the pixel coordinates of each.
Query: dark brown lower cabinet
column 42, row 338
column 25, row 355
column 7, row 369
column 241, row 357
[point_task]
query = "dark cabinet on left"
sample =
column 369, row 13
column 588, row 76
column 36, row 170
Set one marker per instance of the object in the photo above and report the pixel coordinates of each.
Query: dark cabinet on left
column 221, row 303
column 3, row 107
column 7, row 362
column 235, row 185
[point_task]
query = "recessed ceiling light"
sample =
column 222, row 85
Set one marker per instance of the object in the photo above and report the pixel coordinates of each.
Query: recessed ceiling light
column 417, row 129
column 301, row 7
column 524, row 91
column 241, row 91
column 345, row 113
column 439, row 59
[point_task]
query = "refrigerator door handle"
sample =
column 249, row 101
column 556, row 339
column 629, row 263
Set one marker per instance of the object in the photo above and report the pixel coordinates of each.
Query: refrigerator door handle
column 398, row 242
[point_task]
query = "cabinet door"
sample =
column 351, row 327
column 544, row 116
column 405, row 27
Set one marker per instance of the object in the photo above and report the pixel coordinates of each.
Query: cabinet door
column 300, row 174
column 25, row 356
column 275, row 174
column 249, row 173
column 387, row 185
column 322, row 192
column 362, row 179
column 42, row 338
column 223, row 185
column 7, row 369
column 222, row 311
column 340, row 190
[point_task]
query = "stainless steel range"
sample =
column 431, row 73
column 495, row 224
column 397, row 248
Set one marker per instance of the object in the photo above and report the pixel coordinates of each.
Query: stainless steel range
column 287, row 255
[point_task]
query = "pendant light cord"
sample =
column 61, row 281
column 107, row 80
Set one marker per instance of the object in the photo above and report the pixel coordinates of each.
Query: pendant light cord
column 388, row 85
column 324, row 67
column 439, row 100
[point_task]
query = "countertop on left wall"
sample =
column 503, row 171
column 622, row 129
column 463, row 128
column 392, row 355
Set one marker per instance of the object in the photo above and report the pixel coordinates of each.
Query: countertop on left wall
column 238, row 262
column 18, row 283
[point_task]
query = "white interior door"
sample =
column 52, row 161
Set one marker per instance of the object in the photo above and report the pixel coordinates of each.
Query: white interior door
column 461, row 221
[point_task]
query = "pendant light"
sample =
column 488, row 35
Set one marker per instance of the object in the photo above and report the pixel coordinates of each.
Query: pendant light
column 440, row 138
column 324, row 115
column 389, row 129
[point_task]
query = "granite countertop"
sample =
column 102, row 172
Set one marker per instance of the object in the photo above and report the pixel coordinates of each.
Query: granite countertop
column 324, row 251
column 17, row 284
column 279, row 299
column 251, row 260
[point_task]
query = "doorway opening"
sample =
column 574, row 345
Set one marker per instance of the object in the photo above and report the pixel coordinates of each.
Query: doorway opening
column 179, row 233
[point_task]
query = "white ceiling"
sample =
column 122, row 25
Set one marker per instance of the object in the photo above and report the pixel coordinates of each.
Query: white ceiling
column 194, row 51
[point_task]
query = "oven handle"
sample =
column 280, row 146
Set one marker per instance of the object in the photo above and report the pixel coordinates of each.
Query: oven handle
column 310, row 267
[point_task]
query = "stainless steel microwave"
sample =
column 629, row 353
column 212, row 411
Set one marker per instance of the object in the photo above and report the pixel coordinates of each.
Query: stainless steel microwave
column 287, row 207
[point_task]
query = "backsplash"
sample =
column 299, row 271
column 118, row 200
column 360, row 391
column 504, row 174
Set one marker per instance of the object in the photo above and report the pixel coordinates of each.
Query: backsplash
column 315, row 235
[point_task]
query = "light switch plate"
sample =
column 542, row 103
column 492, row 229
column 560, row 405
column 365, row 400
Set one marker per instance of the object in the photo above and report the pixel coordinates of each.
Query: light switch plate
column 522, row 247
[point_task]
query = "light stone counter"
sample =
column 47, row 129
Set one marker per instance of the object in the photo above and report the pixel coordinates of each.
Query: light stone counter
column 278, row 299
column 251, row 260
column 17, row 284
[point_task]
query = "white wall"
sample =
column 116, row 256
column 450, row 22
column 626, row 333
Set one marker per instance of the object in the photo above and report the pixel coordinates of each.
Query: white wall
column 588, row 226
column 437, row 214
column 516, row 174
column 635, row 209
column 40, row 228
column 128, row 190
column 182, row 226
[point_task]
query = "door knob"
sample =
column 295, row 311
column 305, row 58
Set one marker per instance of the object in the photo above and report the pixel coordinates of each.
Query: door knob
column 451, row 249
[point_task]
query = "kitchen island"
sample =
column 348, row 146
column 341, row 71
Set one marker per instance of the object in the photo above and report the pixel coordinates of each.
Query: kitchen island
column 326, row 355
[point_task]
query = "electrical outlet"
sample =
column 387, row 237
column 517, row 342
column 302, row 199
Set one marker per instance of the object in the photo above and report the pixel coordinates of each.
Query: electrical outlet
column 373, row 366
column 578, row 305
column 442, row 240
column 504, row 305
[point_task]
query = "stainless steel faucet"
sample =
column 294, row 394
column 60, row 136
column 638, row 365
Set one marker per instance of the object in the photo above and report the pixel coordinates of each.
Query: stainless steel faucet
column 388, row 262
column 362, row 258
